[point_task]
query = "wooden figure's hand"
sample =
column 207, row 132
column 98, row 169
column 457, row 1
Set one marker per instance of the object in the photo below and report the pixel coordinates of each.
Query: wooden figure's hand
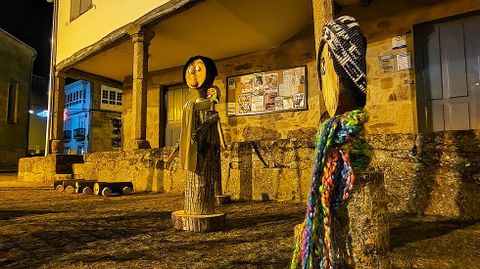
column 200, row 131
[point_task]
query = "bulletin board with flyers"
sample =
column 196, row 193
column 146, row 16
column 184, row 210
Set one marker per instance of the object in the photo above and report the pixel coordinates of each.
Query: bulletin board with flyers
column 267, row 92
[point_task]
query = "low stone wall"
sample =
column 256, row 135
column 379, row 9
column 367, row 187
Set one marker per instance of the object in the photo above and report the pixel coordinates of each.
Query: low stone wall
column 37, row 169
column 46, row 169
column 142, row 167
column 432, row 174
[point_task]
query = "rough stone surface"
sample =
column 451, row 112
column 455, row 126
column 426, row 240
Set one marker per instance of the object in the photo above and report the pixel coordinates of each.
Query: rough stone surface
column 142, row 167
column 135, row 231
column 100, row 137
column 15, row 72
column 361, row 229
column 433, row 174
column 45, row 169
column 254, row 133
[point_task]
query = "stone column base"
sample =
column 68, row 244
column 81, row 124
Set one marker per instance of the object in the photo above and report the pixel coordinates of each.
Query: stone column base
column 198, row 223
column 222, row 199
column 139, row 144
column 56, row 146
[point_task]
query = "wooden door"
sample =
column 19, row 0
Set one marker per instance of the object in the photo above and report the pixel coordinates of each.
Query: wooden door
column 175, row 98
column 448, row 74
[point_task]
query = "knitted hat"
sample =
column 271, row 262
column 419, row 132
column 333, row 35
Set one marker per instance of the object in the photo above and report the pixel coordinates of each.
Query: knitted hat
column 347, row 47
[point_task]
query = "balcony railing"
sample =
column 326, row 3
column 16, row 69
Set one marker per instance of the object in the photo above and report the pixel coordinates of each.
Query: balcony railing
column 79, row 134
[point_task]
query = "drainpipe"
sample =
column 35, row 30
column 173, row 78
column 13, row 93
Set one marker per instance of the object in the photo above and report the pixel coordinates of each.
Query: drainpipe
column 53, row 54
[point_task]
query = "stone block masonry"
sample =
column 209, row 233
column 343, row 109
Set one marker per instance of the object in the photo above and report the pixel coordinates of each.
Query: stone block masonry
column 45, row 169
column 424, row 174
column 431, row 174
column 142, row 167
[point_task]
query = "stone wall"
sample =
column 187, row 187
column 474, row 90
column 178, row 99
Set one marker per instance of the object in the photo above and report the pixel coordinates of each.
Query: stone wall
column 15, row 68
column 391, row 96
column 46, row 169
column 142, row 167
column 101, row 130
column 434, row 174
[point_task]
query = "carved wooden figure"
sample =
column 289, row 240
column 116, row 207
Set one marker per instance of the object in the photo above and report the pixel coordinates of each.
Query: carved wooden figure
column 200, row 143
column 341, row 68
column 343, row 231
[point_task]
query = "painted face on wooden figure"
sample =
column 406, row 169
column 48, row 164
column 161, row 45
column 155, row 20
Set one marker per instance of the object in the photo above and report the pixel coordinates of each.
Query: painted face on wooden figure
column 199, row 72
column 330, row 82
column 213, row 94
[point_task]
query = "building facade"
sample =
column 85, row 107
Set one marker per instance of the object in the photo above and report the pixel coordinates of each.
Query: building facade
column 15, row 79
column 37, row 128
column 422, row 92
column 91, row 126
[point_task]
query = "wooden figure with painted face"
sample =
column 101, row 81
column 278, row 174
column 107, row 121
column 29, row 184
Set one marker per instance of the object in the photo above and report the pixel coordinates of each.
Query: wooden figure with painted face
column 342, row 66
column 199, row 146
column 335, row 97
column 199, row 73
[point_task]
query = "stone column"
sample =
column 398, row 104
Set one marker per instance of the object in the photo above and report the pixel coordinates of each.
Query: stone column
column 56, row 140
column 322, row 12
column 141, row 39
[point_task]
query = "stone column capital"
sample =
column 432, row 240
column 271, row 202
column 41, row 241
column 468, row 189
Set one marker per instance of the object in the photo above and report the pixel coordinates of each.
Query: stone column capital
column 140, row 34
column 60, row 74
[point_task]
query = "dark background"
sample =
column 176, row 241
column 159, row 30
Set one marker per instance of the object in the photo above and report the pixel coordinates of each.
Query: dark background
column 31, row 22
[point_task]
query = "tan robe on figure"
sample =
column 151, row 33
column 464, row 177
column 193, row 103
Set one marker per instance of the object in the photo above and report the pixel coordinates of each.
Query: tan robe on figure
column 188, row 151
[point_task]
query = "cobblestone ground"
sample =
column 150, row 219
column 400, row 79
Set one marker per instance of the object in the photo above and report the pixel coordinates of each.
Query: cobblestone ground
column 40, row 228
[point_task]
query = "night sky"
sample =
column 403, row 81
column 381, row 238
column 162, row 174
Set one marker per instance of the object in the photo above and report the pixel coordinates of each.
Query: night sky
column 31, row 22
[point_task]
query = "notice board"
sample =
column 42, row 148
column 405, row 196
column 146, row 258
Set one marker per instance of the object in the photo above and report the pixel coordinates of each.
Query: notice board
column 267, row 92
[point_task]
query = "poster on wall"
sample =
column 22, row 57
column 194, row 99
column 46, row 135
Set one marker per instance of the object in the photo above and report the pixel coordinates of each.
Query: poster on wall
column 403, row 61
column 267, row 92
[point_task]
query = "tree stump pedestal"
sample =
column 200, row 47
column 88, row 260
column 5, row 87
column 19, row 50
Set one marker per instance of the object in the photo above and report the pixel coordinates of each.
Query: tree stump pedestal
column 360, row 230
column 198, row 223
column 199, row 214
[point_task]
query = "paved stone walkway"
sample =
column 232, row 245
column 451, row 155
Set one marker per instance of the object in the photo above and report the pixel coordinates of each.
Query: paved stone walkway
column 40, row 228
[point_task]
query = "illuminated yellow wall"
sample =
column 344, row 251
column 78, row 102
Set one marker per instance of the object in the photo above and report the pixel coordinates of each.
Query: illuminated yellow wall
column 102, row 18
column 391, row 96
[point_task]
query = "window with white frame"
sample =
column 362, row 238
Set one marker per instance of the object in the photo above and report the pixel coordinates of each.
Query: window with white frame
column 76, row 97
column 111, row 98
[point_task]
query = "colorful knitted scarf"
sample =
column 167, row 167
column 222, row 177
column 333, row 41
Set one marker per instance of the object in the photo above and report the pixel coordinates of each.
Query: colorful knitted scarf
column 332, row 183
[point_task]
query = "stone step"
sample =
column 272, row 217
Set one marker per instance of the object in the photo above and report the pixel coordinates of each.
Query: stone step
column 78, row 169
column 63, row 176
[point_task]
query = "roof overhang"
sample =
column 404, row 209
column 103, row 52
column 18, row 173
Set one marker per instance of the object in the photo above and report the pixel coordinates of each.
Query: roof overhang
column 215, row 28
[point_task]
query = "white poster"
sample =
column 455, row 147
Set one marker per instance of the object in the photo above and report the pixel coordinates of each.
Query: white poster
column 258, row 103
column 231, row 108
column 398, row 42
column 403, row 61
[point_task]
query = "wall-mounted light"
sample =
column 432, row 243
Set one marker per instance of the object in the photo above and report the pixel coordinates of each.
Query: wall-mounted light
column 43, row 114
column 31, row 111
